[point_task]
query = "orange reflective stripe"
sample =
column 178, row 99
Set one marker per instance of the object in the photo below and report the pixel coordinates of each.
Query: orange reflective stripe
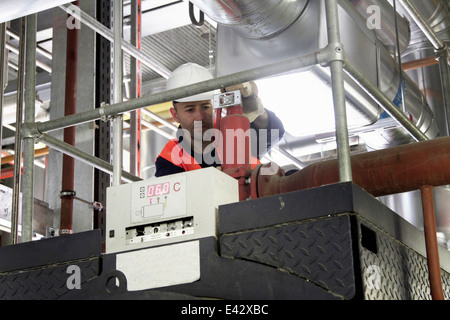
column 175, row 154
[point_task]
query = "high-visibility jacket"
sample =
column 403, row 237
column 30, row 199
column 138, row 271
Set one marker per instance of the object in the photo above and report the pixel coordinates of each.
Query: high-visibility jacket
column 175, row 154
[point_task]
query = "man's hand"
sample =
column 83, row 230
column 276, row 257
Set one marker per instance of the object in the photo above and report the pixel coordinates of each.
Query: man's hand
column 252, row 106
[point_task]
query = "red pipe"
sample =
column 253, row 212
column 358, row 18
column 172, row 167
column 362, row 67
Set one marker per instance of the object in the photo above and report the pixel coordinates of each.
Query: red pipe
column 429, row 224
column 395, row 170
column 68, row 166
column 236, row 158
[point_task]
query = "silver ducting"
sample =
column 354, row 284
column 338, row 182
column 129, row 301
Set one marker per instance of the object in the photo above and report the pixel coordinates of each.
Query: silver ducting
column 384, row 27
column 363, row 47
column 253, row 19
column 436, row 13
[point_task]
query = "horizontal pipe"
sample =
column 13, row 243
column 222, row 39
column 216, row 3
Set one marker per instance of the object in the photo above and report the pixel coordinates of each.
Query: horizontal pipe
column 178, row 93
column 84, row 157
column 421, row 63
column 37, row 153
column 385, row 172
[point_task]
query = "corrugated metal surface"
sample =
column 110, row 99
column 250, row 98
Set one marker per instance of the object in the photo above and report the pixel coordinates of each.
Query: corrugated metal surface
column 174, row 47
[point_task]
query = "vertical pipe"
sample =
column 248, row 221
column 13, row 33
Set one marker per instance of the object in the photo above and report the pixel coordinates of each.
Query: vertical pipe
column 68, row 167
column 117, row 79
column 445, row 80
column 399, row 57
column 135, row 116
column 28, row 143
column 18, row 138
column 337, row 78
column 3, row 69
column 431, row 243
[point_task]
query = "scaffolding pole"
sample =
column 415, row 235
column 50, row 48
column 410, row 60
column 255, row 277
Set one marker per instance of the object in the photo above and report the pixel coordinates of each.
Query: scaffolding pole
column 28, row 142
column 18, row 137
column 117, row 93
column 337, row 81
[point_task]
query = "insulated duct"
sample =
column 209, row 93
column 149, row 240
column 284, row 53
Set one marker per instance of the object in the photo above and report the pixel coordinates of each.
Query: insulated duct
column 253, row 19
column 362, row 46
column 385, row 31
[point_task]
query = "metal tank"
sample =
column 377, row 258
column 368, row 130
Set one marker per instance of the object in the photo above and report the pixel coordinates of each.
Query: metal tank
column 307, row 35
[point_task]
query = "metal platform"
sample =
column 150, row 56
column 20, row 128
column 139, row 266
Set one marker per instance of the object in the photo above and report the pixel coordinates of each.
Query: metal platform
column 334, row 242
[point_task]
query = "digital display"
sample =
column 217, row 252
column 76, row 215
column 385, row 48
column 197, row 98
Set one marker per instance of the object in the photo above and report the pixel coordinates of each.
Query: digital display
column 158, row 189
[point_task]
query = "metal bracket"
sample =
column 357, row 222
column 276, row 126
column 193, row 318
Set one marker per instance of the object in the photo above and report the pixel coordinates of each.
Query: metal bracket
column 103, row 116
column 30, row 131
column 442, row 52
column 97, row 206
column 332, row 52
column 227, row 99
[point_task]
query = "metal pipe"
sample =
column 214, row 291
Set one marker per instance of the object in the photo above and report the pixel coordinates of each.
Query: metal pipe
column 136, row 84
column 93, row 161
column 376, row 94
column 3, row 69
column 108, row 34
column 174, row 94
column 337, row 80
column 253, row 19
column 379, row 172
column 399, row 57
column 431, row 243
column 118, row 98
column 18, row 138
column 422, row 24
column 39, row 50
column 444, row 69
column 421, row 63
column 28, row 143
column 159, row 119
column 389, row 34
column 70, row 107
column 39, row 63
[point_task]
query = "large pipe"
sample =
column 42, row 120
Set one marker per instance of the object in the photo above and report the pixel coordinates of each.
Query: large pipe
column 253, row 19
column 390, row 171
column 386, row 30
column 68, row 167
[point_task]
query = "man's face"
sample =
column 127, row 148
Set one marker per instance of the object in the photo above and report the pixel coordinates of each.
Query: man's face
column 195, row 117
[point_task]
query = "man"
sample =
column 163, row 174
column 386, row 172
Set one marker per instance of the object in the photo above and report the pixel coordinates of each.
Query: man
column 190, row 150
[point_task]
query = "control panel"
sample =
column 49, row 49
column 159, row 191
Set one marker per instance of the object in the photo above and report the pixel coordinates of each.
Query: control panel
column 165, row 210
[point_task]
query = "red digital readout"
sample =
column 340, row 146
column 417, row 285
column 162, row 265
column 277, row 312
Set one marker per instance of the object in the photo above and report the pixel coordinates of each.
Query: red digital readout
column 158, row 189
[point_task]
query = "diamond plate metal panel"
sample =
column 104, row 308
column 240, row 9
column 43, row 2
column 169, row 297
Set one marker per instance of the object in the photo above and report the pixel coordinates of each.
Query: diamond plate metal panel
column 45, row 283
column 319, row 251
column 395, row 272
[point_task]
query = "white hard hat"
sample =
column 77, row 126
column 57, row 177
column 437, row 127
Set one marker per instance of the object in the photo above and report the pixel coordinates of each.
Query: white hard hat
column 188, row 74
